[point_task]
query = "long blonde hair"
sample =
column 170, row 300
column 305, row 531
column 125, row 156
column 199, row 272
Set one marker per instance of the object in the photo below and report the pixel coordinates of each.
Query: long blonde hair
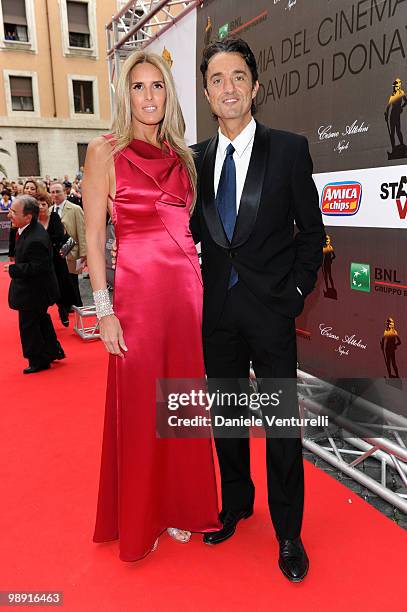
column 172, row 126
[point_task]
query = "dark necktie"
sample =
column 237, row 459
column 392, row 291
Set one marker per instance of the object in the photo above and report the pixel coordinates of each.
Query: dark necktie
column 226, row 201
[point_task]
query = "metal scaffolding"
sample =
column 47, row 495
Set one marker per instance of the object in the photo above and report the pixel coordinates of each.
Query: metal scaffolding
column 390, row 451
column 138, row 24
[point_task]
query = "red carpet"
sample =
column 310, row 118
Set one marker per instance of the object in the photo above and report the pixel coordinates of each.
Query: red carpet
column 51, row 426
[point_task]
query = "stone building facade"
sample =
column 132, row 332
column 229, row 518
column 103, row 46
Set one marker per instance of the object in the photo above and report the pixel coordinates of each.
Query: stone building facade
column 54, row 87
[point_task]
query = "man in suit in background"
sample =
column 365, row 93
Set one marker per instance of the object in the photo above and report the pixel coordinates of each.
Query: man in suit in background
column 72, row 217
column 254, row 183
column 33, row 286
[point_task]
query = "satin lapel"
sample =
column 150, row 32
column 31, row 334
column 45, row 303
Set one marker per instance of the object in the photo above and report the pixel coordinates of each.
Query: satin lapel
column 65, row 210
column 209, row 209
column 250, row 200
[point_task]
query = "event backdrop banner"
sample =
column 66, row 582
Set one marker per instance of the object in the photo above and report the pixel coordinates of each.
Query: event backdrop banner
column 334, row 71
column 330, row 70
column 175, row 46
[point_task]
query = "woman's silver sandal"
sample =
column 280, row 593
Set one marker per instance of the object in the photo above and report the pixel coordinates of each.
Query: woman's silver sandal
column 155, row 546
column 180, row 535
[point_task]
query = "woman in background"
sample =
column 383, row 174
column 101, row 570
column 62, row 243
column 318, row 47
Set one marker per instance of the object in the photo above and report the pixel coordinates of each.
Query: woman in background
column 31, row 187
column 57, row 233
column 6, row 200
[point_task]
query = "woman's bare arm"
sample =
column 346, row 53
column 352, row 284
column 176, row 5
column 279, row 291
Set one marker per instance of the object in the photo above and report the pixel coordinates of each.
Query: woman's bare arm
column 95, row 190
column 98, row 182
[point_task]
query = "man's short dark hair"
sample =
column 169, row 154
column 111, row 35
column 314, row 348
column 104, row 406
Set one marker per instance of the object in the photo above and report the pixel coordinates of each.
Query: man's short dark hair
column 230, row 45
column 30, row 206
column 56, row 182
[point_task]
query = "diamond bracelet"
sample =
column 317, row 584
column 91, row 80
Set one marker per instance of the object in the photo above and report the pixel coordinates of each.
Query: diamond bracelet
column 102, row 303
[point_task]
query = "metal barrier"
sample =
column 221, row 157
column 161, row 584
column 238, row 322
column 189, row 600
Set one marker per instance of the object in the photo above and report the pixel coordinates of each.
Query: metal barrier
column 86, row 330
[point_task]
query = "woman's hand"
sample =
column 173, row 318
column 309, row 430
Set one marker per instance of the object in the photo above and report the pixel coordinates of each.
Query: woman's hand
column 112, row 335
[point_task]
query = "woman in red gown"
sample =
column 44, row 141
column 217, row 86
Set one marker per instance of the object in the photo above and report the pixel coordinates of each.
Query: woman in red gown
column 147, row 484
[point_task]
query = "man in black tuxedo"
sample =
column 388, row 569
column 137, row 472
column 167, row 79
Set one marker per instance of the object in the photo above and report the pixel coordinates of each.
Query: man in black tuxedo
column 33, row 286
column 254, row 184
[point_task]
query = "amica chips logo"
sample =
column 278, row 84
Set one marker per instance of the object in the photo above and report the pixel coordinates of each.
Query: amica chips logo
column 360, row 277
column 341, row 199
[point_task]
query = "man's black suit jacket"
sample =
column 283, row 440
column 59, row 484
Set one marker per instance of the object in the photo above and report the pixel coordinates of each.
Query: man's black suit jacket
column 33, row 282
column 270, row 254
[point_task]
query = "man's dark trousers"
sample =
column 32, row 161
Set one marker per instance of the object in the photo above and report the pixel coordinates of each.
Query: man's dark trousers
column 38, row 337
column 269, row 341
column 276, row 251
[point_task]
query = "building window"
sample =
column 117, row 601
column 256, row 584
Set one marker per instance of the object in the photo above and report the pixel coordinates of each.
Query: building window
column 78, row 24
column 21, row 93
column 78, row 28
column 83, row 96
column 82, row 148
column 15, row 20
column 28, row 159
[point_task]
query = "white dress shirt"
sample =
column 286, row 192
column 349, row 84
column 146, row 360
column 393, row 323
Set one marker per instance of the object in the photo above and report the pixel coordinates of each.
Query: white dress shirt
column 243, row 144
column 59, row 208
column 21, row 229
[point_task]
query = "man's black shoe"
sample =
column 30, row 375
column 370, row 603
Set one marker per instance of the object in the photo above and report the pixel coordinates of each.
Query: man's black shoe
column 63, row 315
column 60, row 354
column 38, row 368
column 229, row 519
column 293, row 560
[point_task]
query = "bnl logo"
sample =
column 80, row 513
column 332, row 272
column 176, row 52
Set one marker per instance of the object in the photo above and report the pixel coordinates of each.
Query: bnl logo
column 360, row 278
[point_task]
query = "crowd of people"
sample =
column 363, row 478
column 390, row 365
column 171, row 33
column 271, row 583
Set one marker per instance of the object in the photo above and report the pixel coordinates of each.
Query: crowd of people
column 10, row 189
column 52, row 211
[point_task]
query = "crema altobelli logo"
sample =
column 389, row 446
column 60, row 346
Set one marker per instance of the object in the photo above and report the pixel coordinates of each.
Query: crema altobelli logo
column 342, row 198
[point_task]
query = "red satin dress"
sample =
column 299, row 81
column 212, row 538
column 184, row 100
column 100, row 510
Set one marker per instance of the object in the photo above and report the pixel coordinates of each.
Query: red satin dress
column 148, row 484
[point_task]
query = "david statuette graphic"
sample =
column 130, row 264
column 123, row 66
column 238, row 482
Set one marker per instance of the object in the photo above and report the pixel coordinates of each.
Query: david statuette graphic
column 208, row 32
column 329, row 256
column 392, row 115
column 166, row 55
column 389, row 343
